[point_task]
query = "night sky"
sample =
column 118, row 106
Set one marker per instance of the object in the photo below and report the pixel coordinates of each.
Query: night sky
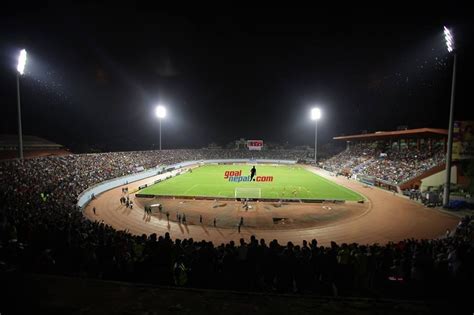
column 95, row 72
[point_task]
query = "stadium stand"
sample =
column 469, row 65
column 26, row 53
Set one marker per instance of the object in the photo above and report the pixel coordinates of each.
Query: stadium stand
column 42, row 231
column 388, row 165
column 393, row 157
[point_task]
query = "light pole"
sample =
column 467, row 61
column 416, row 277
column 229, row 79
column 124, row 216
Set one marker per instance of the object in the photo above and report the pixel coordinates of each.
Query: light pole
column 20, row 70
column 160, row 112
column 447, row 185
column 315, row 115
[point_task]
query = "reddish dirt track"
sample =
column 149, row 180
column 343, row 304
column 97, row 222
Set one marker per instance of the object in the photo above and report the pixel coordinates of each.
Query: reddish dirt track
column 389, row 218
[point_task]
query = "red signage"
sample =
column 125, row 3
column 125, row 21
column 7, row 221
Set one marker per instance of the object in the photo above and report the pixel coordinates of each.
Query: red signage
column 254, row 144
column 236, row 176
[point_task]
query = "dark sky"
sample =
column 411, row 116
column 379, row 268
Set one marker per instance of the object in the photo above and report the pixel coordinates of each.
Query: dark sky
column 95, row 72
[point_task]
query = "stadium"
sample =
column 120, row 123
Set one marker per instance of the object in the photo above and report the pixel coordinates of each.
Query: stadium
column 294, row 203
column 124, row 199
column 108, row 217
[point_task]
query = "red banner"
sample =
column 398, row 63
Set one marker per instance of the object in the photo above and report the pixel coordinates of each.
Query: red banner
column 254, row 144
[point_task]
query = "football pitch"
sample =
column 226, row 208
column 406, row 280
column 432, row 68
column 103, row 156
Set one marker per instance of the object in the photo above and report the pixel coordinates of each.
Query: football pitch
column 272, row 182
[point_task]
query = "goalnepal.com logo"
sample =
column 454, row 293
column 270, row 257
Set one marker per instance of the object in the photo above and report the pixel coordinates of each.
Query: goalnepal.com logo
column 236, row 176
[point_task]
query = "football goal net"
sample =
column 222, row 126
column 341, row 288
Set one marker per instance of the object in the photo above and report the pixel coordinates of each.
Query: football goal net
column 252, row 193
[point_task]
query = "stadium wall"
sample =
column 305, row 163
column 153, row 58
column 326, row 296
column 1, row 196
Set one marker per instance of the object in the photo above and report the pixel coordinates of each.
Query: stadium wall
column 86, row 196
column 436, row 180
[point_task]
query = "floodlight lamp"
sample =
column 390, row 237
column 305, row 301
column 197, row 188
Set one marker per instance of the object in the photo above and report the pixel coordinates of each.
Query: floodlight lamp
column 449, row 39
column 315, row 114
column 21, row 62
column 160, row 111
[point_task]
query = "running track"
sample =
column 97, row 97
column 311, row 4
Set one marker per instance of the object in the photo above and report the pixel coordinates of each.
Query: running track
column 391, row 218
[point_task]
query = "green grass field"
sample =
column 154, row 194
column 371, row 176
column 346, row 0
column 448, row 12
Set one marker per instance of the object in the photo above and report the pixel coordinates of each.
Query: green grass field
column 288, row 182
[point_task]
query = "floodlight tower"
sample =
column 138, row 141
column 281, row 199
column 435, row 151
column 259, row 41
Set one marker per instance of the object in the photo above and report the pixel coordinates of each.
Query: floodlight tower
column 315, row 115
column 20, row 70
column 160, row 112
column 450, row 46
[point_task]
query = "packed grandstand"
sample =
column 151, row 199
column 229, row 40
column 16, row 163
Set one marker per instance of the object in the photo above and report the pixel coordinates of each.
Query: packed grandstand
column 391, row 165
column 42, row 230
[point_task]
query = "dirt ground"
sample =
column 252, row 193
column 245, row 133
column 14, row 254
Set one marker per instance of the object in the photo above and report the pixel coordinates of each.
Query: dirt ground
column 384, row 217
column 260, row 215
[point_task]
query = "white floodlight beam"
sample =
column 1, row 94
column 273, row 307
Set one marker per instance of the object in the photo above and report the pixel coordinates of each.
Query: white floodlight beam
column 160, row 111
column 21, row 62
column 315, row 114
column 449, row 38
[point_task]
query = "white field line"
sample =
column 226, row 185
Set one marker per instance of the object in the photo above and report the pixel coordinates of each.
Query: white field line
column 190, row 188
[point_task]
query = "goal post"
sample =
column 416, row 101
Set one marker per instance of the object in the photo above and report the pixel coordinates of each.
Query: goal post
column 251, row 193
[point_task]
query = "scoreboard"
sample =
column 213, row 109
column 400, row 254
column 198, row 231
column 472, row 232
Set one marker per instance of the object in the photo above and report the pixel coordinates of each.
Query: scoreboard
column 255, row 144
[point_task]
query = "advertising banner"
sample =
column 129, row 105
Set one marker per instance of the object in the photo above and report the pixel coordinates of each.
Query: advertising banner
column 463, row 140
column 255, row 144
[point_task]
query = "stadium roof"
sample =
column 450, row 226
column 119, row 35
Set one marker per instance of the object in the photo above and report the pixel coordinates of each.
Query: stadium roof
column 10, row 142
column 398, row 134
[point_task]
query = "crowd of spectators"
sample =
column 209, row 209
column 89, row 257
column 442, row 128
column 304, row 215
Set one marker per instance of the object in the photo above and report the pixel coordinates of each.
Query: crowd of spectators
column 351, row 158
column 53, row 242
column 62, row 178
column 391, row 165
column 41, row 230
column 398, row 167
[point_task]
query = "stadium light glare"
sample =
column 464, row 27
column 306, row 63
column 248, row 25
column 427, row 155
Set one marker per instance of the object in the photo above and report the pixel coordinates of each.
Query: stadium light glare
column 448, row 36
column 20, row 70
column 315, row 114
column 160, row 111
column 21, row 62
